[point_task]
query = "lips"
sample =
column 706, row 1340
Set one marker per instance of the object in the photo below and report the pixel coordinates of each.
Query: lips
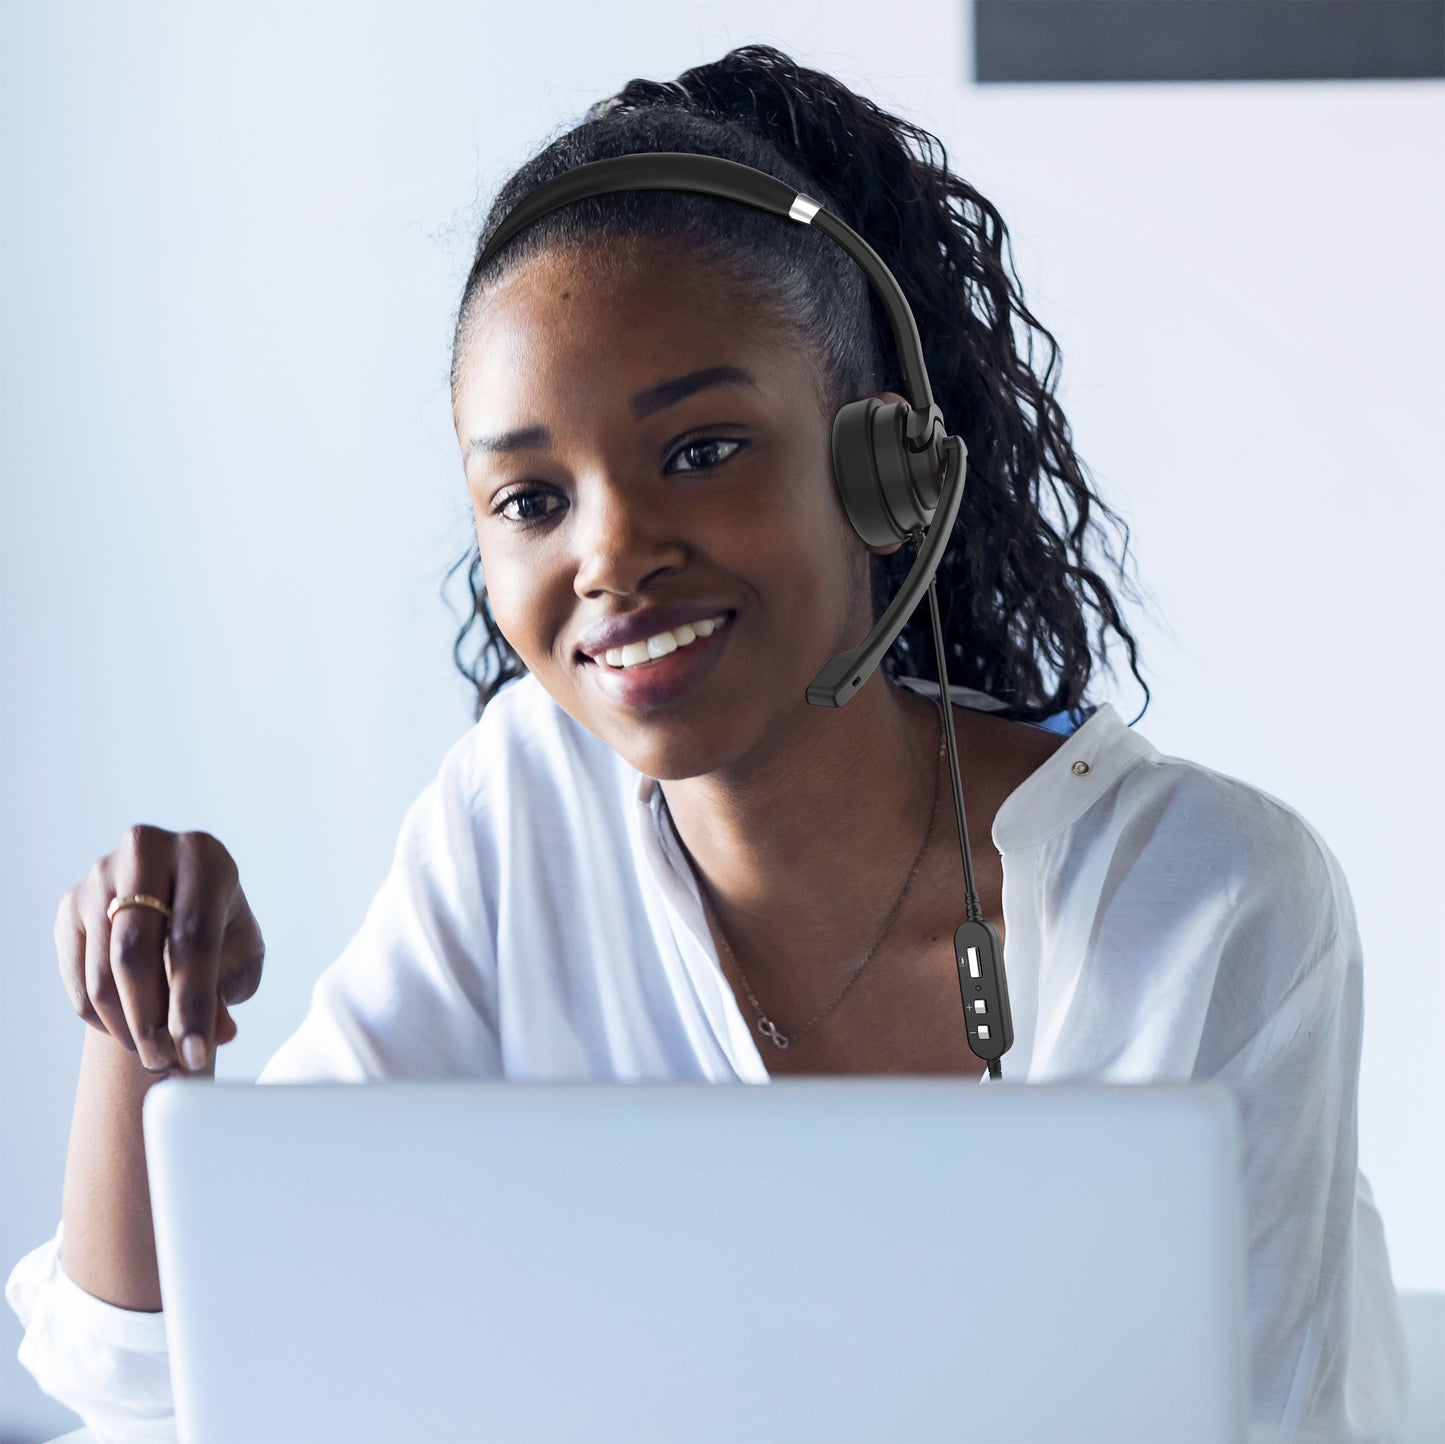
column 662, row 680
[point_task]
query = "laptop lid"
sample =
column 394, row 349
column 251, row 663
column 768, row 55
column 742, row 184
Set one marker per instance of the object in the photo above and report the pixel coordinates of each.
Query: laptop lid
column 832, row 1259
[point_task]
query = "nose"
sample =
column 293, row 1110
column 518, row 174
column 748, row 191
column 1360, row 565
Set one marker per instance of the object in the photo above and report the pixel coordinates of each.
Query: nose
column 624, row 537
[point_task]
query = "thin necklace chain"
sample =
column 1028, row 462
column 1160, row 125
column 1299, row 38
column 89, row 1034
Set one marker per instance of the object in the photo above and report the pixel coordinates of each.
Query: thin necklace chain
column 766, row 1026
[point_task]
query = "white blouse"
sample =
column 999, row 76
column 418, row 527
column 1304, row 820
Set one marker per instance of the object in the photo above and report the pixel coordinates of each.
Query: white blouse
column 1164, row 922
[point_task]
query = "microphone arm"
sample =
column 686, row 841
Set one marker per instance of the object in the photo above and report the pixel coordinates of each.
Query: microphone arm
column 846, row 673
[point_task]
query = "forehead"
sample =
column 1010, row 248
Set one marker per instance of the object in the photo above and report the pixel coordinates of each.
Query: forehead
column 569, row 318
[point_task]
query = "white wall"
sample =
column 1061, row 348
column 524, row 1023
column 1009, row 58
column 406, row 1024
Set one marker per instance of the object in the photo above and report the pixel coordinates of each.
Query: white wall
column 232, row 241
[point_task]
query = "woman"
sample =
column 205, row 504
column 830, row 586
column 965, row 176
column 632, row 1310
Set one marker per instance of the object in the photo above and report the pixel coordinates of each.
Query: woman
column 651, row 858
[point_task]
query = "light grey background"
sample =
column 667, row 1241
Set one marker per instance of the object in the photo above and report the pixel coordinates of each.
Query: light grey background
column 233, row 238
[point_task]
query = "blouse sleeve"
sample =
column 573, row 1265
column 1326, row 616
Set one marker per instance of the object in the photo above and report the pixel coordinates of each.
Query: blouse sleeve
column 414, row 994
column 411, row 995
column 1326, row 1340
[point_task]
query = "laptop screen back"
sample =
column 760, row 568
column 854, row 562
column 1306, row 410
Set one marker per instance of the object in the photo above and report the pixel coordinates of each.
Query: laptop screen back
column 864, row 1259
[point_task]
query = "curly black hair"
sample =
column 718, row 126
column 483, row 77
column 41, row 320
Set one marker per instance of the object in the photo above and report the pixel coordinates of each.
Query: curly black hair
column 1012, row 586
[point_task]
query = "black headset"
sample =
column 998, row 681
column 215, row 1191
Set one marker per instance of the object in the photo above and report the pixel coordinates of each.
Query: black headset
column 886, row 461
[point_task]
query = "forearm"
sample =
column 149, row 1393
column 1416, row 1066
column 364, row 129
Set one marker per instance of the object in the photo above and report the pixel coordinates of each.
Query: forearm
column 108, row 1247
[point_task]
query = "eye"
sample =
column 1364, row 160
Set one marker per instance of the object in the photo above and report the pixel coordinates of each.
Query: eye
column 706, row 443
column 527, row 496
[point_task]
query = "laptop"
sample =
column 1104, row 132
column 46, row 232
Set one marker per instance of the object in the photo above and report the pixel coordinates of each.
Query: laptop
column 886, row 1260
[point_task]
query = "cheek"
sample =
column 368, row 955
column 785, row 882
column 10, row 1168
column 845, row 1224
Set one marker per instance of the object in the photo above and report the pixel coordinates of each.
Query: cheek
column 811, row 592
column 514, row 598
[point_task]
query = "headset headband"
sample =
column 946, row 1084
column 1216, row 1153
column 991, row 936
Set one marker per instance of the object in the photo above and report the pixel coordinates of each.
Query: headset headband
column 671, row 170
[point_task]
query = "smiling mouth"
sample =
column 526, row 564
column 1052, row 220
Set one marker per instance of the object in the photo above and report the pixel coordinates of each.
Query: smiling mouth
column 644, row 664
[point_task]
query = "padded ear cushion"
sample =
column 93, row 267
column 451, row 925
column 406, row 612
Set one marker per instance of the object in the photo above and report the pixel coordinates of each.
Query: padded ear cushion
column 875, row 472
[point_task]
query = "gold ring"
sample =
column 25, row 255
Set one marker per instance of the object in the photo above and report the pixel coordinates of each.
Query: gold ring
column 138, row 899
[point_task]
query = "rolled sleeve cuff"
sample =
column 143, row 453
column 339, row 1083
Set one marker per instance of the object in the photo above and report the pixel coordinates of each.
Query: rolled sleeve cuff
column 110, row 1365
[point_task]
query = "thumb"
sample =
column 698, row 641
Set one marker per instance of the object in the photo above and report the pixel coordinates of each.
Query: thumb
column 226, row 1028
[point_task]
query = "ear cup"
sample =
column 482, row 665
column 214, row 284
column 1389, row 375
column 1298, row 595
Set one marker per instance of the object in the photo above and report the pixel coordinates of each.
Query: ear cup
column 888, row 491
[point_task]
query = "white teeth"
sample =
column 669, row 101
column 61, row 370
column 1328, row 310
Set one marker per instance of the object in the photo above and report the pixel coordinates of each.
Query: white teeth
column 663, row 643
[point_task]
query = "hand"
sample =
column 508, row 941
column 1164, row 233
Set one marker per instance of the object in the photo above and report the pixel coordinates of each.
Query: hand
column 148, row 981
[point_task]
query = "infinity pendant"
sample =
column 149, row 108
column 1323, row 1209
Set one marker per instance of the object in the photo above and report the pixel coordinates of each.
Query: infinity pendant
column 769, row 1029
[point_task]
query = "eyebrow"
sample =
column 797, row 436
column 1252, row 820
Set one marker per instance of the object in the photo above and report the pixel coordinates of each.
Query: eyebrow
column 655, row 398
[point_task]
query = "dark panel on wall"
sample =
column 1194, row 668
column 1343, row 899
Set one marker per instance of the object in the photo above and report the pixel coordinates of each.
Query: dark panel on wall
column 1071, row 40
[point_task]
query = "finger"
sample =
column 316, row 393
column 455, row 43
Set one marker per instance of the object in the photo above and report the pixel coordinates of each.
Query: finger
column 243, row 951
column 70, row 953
column 99, row 982
column 225, row 1031
column 144, row 863
column 205, row 885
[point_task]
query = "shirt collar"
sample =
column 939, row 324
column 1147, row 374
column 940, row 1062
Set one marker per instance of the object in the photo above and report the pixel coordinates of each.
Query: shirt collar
column 1051, row 798
column 1067, row 784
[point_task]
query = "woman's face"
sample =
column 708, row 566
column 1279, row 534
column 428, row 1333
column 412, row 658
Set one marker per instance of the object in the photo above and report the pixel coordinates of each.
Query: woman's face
column 621, row 486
